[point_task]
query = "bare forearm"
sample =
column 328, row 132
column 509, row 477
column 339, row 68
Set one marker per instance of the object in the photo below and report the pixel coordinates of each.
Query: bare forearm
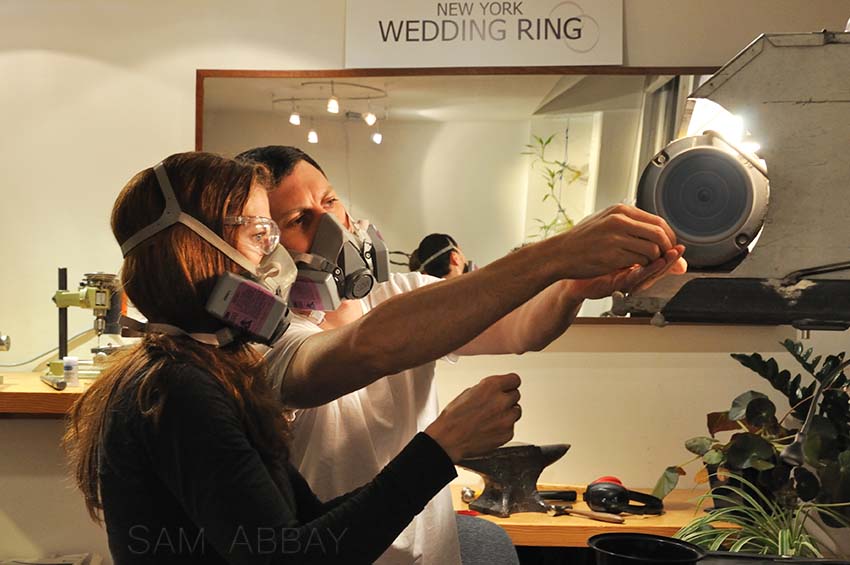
column 546, row 317
column 417, row 327
column 532, row 326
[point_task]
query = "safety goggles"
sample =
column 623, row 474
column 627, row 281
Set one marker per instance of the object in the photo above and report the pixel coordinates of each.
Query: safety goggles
column 261, row 232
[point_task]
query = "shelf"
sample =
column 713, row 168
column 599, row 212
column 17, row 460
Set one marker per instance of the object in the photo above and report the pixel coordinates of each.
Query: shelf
column 627, row 335
column 23, row 394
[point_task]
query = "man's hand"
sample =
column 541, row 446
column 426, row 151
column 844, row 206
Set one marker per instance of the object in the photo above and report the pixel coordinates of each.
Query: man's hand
column 615, row 239
column 479, row 420
column 631, row 278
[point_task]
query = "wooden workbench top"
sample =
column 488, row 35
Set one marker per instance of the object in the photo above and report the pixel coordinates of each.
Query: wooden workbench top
column 24, row 394
column 537, row 529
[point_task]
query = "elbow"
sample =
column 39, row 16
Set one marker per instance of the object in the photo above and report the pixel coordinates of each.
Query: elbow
column 535, row 346
column 536, row 343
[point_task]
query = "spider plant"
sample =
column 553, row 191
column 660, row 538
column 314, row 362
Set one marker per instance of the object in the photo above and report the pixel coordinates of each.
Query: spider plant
column 754, row 523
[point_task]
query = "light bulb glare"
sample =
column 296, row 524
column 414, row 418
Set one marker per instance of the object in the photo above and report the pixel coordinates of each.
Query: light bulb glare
column 333, row 105
column 750, row 146
column 312, row 137
column 377, row 138
column 370, row 118
column 295, row 119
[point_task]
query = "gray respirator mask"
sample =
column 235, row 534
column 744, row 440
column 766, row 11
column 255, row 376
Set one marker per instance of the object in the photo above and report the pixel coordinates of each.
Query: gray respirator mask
column 341, row 265
column 254, row 308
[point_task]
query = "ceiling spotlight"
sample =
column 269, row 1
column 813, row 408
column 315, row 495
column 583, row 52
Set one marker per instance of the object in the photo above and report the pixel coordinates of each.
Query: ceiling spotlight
column 312, row 137
column 295, row 118
column 333, row 101
column 370, row 118
column 333, row 105
column 377, row 138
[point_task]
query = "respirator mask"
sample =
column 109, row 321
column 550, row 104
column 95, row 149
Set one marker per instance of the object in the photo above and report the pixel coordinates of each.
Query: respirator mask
column 256, row 307
column 340, row 265
column 607, row 494
column 467, row 267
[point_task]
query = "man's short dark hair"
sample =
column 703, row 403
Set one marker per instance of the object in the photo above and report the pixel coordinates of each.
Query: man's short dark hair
column 430, row 244
column 280, row 159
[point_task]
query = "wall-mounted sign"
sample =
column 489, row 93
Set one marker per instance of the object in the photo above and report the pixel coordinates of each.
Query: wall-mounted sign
column 437, row 33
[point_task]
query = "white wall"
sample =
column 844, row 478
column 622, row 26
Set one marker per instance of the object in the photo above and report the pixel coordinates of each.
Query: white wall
column 94, row 90
column 451, row 177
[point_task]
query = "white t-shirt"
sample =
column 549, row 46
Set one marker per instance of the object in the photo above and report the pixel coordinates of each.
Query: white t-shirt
column 343, row 444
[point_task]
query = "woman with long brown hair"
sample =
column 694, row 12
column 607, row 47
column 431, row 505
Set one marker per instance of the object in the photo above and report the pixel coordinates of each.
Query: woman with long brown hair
column 180, row 447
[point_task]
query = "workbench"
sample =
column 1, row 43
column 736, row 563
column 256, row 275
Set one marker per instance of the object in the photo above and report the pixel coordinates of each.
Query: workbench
column 24, row 394
column 544, row 530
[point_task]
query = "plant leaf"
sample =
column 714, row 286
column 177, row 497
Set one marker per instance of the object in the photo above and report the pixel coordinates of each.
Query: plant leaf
column 761, row 412
column 667, row 481
column 806, row 484
column 699, row 445
column 747, row 450
column 714, row 457
column 720, row 422
column 739, row 405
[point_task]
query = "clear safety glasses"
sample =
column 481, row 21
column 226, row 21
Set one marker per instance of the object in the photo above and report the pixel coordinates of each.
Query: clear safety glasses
column 261, row 232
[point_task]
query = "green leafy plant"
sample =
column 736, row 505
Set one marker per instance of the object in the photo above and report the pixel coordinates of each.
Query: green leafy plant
column 754, row 451
column 753, row 523
column 555, row 173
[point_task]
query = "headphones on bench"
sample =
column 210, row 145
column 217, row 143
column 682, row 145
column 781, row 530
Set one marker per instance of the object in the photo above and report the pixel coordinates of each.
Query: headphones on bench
column 607, row 494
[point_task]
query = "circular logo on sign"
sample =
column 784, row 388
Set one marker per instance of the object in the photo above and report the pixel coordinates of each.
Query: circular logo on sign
column 580, row 32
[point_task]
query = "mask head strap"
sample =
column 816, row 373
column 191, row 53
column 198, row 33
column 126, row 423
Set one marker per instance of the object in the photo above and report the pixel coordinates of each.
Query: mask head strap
column 134, row 328
column 172, row 214
column 436, row 255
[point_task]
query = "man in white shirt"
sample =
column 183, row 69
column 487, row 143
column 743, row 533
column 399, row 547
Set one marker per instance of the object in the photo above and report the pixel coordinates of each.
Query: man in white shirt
column 349, row 421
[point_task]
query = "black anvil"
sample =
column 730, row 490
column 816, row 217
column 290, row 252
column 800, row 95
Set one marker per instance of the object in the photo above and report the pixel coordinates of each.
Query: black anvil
column 510, row 478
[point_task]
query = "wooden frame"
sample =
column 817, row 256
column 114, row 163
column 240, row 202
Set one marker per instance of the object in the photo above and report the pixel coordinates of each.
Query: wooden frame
column 202, row 74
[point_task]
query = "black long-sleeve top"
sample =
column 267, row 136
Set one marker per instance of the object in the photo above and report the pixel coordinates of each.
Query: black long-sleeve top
column 192, row 489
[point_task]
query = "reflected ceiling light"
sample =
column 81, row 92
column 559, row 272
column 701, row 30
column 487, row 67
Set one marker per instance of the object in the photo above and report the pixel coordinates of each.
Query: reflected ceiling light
column 377, row 137
column 312, row 136
column 294, row 116
column 333, row 105
column 333, row 101
column 310, row 93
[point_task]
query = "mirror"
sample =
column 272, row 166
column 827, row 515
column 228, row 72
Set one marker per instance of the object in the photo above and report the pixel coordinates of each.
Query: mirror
column 461, row 152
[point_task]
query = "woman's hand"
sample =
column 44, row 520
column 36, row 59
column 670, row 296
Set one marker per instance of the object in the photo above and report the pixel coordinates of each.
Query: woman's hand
column 481, row 419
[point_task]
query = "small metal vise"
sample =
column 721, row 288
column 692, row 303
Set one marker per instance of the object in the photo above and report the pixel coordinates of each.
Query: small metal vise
column 510, row 478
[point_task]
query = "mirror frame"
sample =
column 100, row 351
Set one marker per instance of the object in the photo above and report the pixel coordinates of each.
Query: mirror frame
column 203, row 74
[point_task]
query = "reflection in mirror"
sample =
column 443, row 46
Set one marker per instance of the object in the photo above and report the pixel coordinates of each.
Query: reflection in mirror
column 453, row 153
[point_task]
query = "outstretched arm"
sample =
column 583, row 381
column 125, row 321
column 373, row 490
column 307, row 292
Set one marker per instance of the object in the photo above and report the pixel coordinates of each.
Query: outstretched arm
column 541, row 320
column 428, row 323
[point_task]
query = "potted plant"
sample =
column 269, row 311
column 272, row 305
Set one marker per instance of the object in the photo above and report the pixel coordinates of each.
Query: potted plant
column 799, row 460
column 554, row 173
column 753, row 523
